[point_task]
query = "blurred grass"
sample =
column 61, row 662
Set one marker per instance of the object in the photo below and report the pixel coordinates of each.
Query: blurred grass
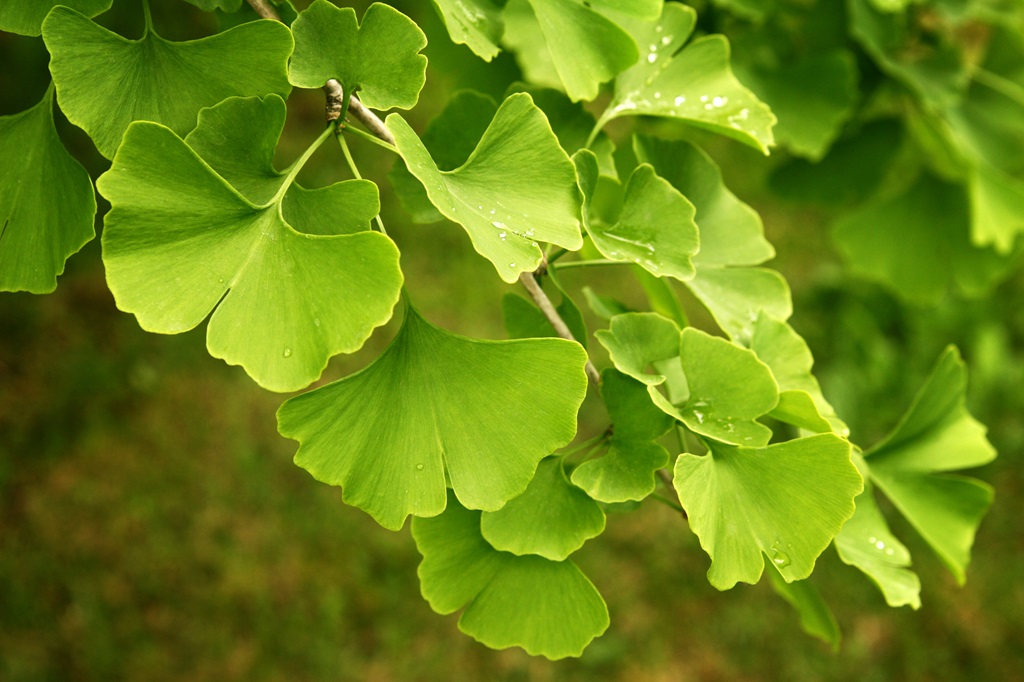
column 153, row 527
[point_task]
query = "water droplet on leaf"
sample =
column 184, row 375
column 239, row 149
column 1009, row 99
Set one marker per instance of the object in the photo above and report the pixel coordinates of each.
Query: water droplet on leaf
column 287, row 352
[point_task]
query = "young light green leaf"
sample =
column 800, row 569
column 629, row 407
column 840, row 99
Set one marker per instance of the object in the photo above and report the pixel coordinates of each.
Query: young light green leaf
column 475, row 23
column 47, row 202
column 777, row 345
column 379, row 59
column 816, row 618
column 655, row 229
column 586, row 47
column 737, row 297
column 604, row 307
column 693, row 84
column 104, row 81
column 517, row 188
column 917, row 242
column 450, row 138
column 437, row 403
column 997, row 207
column 812, row 99
column 523, row 36
column 26, row 16
column 937, row 435
column 546, row 607
column 729, row 388
column 552, row 519
column 627, row 471
column 637, row 340
column 867, row 543
column 179, row 242
column 745, row 503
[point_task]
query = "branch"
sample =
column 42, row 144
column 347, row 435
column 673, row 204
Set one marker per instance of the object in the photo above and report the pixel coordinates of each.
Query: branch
column 335, row 96
column 544, row 303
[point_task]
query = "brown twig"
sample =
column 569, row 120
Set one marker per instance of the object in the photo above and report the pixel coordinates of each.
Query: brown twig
column 546, row 307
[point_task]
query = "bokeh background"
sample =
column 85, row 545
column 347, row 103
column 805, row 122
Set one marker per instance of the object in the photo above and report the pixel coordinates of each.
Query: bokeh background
column 153, row 526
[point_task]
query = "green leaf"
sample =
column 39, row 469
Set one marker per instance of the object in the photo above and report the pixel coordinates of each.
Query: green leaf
column 26, row 16
column 745, row 503
column 211, row 5
column 694, row 84
column 604, row 307
column 812, row 98
column 729, row 388
column 655, row 229
column 379, row 59
column 104, row 81
column 517, row 188
column 627, row 471
column 917, row 242
column 867, row 543
column 546, row 607
column 475, row 23
column 997, row 207
column 586, row 47
column 552, row 519
column 437, row 403
column 731, row 235
column 816, row 617
column 786, row 353
column 450, row 138
column 937, row 435
column 525, row 39
column 930, row 66
column 524, row 320
column 636, row 341
column 47, row 204
column 180, row 242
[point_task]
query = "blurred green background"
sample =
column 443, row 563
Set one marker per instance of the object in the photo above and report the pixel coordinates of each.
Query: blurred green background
column 153, row 527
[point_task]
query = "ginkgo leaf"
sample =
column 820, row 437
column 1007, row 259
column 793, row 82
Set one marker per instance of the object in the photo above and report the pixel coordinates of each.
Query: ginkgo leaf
column 378, row 59
column 450, row 137
column 867, row 543
column 816, row 618
column 525, row 39
column 237, row 139
column 436, row 403
column 104, row 81
column 777, row 345
column 524, row 320
column 731, row 235
column 627, row 471
column 546, row 607
column 180, row 242
column 211, row 5
column 47, row 202
column 26, row 16
column 694, row 84
column 655, row 228
column 636, row 341
column 911, row 466
column 729, row 388
column 918, row 243
column 517, row 188
column 604, row 307
column 997, row 207
column 552, row 518
column 747, row 503
column 475, row 23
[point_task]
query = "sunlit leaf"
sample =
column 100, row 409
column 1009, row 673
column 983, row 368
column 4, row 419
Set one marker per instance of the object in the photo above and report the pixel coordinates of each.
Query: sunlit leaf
column 180, row 242
column 104, row 81
column 436, row 403
column 475, row 23
column 378, row 59
column 552, row 519
column 694, row 84
column 637, row 340
column 47, row 202
column 546, row 607
column 518, row 187
column 747, row 503
column 911, row 466
column 26, row 16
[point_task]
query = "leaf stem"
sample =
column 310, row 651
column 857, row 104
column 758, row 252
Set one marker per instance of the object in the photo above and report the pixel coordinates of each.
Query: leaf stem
column 148, row 16
column 1004, row 86
column 293, row 171
column 350, row 160
column 372, row 138
column 666, row 478
column 664, row 500
column 587, row 263
column 561, row 328
column 601, row 122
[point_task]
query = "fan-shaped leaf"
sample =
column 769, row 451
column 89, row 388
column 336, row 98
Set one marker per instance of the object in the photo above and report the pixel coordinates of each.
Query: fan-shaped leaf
column 104, row 81
column 379, row 59
column 517, row 188
column 47, row 203
column 475, row 23
column 434, row 404
column 26, row 16
column 636, row 341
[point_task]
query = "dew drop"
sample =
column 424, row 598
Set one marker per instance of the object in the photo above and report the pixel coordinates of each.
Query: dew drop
column 493, row 211
column 680, row 100
column 657, row 95
column 720, row 101
column 511, row 265
column 500, row 225
column 653, row 47
column 665, row 40
column 879, row 545
column 889, row 551
column 703, row 98
column 502, row 236
column 780, row 559
column 220, row 280
column 316, row 321
column 419, row 467
column 872, row 539
column 651, row 58
column 287, row 352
